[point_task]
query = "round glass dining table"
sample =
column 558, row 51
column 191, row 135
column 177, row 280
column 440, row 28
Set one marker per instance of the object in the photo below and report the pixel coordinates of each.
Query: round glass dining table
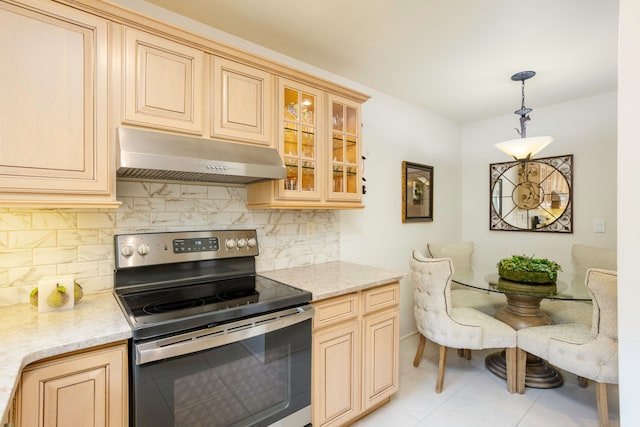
column 522, row 310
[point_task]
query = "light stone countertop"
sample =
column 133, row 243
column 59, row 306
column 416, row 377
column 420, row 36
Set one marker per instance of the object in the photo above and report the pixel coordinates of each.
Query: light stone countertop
column 27, row 336
column 333, row 278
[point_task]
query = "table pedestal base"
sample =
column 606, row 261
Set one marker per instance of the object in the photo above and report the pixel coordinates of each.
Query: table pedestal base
column 538, row 374
column 523, row 312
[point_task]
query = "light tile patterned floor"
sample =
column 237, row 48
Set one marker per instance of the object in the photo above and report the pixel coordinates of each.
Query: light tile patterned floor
column 473, row 396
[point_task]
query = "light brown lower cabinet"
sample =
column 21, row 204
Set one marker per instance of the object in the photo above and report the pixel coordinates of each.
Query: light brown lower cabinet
column 87, row 388
column 355, row 354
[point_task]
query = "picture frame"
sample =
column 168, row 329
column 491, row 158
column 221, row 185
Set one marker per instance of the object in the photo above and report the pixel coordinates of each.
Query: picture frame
column 417, row 192
column 535, row 195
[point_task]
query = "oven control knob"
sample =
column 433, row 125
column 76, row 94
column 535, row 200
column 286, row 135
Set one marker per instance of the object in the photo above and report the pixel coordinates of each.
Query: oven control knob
column 143, row 249
column 242, row 243
column 126, row 251
column 230, row 243
column 251, row 242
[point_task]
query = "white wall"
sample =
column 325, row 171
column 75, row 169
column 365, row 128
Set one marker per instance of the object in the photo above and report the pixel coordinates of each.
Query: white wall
column 585, row 128
column 628, row 211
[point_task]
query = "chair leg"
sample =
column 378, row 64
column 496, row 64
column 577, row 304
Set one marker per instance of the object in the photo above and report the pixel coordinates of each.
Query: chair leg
column 464, row 353
column 416, row 360
column 583, row 382
column 441, row 367
column 512, row 364
column 521, row 370
column 603, row 406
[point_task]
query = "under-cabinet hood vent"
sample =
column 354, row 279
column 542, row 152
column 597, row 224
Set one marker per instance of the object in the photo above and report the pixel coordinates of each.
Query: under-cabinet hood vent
column 144, row 154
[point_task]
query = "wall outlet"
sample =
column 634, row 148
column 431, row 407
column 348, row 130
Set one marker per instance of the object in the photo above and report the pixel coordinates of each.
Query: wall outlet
column 598, row 225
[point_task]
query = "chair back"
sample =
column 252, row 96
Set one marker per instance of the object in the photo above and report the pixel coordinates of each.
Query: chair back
column 432, row 294
column 603, row 287
column 460, row 252
column 586, row 257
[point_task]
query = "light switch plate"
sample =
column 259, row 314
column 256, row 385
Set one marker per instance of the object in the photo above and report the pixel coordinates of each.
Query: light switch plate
column 598, row 225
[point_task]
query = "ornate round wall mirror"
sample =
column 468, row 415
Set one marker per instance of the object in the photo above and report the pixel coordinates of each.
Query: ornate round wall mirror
column 532, row 195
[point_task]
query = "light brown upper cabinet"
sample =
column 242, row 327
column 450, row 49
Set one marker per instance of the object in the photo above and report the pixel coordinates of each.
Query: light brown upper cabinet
column 55, row 148
column 345, row 150
column 163, row 83
column 300, row 112
column 242, row 102
column 319, row 141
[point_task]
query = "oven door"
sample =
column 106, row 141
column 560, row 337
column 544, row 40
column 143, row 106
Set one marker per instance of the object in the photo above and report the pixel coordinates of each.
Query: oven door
column 253, row 372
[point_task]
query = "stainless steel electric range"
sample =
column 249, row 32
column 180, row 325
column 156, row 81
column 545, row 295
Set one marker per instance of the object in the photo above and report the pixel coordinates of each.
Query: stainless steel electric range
column 214, row 343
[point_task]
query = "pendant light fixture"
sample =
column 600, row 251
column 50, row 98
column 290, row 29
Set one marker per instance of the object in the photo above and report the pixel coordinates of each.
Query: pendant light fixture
column 524, row 148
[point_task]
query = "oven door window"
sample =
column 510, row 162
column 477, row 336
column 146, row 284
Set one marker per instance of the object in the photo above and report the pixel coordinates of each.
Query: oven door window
column 253, row 382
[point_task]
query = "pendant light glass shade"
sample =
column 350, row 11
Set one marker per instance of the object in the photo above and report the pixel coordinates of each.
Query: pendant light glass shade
column 524, row 148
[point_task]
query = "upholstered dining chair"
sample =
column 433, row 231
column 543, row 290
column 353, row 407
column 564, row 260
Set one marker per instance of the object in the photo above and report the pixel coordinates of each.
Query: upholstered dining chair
column 589, row 352
column 461, row 254
column 455, row 327
column 584, row 257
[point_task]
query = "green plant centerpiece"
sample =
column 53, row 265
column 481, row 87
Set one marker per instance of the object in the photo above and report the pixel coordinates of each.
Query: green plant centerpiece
column 524, row 269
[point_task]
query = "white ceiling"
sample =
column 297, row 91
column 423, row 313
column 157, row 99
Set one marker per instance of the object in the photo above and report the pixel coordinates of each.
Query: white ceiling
column 452, row 57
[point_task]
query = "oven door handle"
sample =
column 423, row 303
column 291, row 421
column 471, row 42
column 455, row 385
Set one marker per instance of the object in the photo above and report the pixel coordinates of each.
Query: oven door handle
column 220, row 335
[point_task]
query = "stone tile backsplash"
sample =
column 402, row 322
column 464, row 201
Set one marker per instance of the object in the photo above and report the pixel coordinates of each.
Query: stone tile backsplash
column 38, row 243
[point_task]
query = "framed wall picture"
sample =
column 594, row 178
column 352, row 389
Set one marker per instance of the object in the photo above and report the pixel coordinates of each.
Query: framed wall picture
column 417, row 192
column 533, row 195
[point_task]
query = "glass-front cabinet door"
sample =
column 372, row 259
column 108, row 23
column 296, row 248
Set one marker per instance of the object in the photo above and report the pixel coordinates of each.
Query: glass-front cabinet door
column 345, row 149
column 301, row 113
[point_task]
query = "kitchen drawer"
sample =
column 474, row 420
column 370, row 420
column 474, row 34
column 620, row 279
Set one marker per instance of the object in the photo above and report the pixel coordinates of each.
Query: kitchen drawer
column 334, row 310
column 381, row 297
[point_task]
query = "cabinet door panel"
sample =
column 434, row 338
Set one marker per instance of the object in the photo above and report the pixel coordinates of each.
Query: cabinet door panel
column 336, row 379
column 86, row 389
column 243, row 102
column 380, row 356
column 335, row 310
column 301, row 113
column 344, row 157
column 163, row 83
column 381, row 297
column 53, row 109
column 78, row 399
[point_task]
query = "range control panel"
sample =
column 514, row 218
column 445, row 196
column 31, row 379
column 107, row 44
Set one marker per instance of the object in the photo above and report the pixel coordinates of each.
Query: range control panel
column 135, row 250
column 196, row 245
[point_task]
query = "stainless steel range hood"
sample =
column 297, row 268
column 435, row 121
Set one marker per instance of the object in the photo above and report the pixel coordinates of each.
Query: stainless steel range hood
column 144, row 154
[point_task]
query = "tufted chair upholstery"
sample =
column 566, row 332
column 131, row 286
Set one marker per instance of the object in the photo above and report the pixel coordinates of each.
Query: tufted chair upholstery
column 460, row 254
column 456, row 327
column 588, row 351
column 586, row 257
